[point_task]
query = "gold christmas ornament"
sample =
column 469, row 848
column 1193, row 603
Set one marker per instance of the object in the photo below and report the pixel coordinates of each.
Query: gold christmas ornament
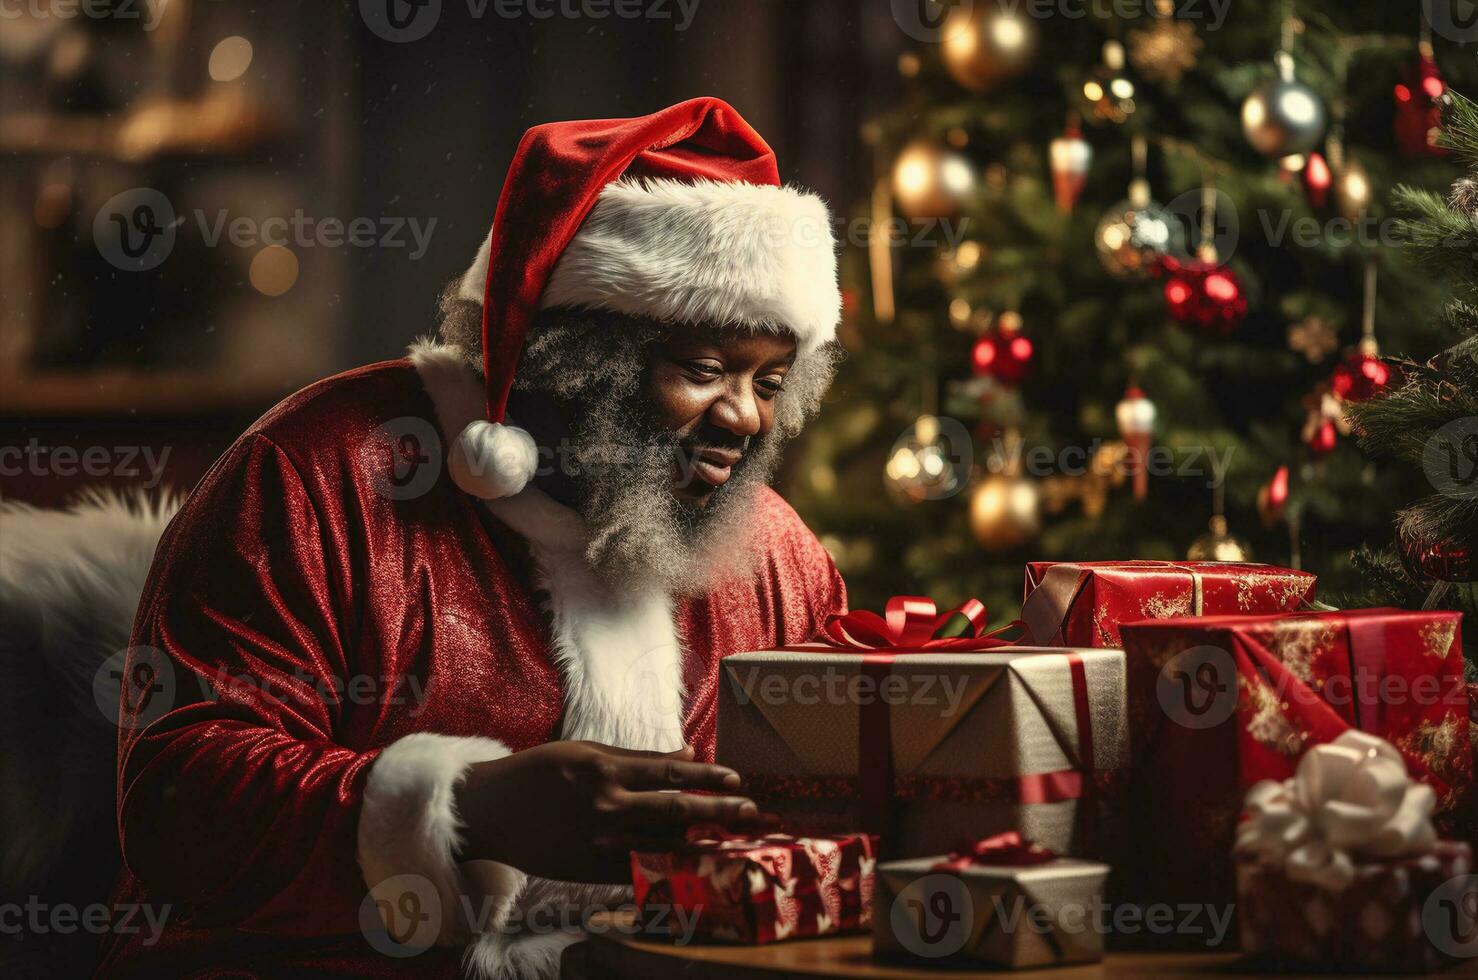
column 931, row 181
column 924, row 463
column 1005, row 511
column 1134, row 234
column 987, row 42
column 1352, row 190
column 1218, row 544
column 1108, row 93
column 1167, row 49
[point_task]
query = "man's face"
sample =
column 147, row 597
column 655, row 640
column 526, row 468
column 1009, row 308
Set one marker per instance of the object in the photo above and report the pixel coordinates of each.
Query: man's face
column 715, row 391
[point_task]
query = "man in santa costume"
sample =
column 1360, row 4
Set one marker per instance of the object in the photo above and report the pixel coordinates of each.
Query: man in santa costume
column 412, row 678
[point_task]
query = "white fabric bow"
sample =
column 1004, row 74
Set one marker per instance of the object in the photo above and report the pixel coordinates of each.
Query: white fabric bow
column 1349, row 798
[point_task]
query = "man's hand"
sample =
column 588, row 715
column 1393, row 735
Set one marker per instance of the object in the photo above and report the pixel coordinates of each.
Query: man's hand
column 573, row 810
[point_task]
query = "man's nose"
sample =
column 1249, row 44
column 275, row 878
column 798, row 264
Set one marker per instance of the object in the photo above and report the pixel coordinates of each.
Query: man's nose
column 737, row 412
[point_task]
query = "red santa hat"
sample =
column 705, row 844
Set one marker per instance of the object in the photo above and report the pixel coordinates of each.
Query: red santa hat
column 677, row 216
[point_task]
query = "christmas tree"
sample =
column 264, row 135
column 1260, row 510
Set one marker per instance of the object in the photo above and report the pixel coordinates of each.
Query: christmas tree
column 1429, row 420
column 1136, row 273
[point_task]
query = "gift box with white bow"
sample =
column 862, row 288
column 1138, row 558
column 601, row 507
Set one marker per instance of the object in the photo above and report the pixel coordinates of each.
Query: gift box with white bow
column 1218, row 703
column 1340, row 867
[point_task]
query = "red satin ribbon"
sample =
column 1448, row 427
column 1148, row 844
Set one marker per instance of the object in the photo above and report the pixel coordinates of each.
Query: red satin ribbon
column 908, row 625
column 1008, row 849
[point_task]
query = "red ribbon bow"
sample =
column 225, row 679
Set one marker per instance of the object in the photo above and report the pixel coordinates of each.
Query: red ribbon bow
column 910, row 622
column 1009, row 849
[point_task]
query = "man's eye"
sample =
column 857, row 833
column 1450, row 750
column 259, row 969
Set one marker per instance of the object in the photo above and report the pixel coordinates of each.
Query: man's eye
column 703, row 369
column 771, row 386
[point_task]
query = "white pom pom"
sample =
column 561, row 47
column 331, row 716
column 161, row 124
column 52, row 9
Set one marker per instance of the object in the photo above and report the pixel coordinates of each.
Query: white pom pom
column 491, row 460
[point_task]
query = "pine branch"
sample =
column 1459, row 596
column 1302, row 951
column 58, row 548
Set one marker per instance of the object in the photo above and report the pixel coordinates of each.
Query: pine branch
column 1459, row 132
column 1438, row 517
column 1399, row 423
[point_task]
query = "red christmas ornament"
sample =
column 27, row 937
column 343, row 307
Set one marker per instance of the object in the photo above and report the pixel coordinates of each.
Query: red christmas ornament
column 1321, row 442
column 1272, row 497
column 1418, row 114
column 1002, row 352
column 1441, row 560
column 1317, row 179
column 1362, row 375
column 1204, row 294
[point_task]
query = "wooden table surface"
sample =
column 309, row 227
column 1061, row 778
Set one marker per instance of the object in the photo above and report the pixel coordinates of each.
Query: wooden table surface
column 619, row 955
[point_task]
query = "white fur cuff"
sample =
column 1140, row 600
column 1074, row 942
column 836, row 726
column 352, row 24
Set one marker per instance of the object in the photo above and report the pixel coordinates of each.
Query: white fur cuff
column 408, row 832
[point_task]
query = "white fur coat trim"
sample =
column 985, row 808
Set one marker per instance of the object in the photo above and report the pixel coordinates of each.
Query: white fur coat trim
column 617, row 650
column 702, row 252
column 408, row 831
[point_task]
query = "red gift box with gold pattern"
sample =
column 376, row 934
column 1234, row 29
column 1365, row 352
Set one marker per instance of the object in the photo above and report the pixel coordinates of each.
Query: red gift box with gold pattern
column 1082, row 604
column 1218, row 703
column 756, row 889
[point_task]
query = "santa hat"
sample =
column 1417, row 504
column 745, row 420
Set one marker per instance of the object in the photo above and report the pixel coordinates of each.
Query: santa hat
column 678, row 216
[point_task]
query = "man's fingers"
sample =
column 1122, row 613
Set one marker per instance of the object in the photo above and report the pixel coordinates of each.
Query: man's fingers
column 675, row 773
column 686, row 752
column 653, row 810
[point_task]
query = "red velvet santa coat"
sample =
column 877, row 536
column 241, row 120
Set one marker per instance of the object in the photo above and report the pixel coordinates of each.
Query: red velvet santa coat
column 328, row 623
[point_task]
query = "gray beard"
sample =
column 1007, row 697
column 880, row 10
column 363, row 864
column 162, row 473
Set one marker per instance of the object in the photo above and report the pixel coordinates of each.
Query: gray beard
column 641, row 533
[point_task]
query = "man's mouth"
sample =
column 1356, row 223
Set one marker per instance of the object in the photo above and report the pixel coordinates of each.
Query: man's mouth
column 713, row 466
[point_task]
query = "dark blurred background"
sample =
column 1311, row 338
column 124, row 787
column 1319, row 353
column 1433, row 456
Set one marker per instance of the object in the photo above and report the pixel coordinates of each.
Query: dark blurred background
column 264, row 110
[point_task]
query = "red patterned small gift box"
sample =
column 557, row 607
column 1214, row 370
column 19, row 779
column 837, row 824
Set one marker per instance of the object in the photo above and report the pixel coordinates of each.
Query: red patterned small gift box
column 723, row 888
column 1340, row 868
column 1219, row 703
column 1082, row 604
column 927, row 740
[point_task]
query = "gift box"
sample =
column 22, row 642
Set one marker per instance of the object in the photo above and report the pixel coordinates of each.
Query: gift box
column 725, row 888
column 1220, row 702
column 1082, row 604
column 927, row 745
column 1339, row 868
column 1004, row 903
